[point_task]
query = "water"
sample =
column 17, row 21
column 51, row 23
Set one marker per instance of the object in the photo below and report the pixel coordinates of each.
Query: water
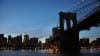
column 26, row 53
column 84, row 52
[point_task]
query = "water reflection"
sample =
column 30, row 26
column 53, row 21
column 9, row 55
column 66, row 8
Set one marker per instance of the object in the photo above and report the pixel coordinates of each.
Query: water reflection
column 83, row 52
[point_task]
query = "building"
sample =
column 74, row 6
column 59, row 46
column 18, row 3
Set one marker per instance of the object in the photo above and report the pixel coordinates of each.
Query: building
column 56, row 32
column 56, row 36
column 40, row 45
column 47, row 44
column 10, row 41
column 3, row 41
column 15, row 42
column 26, row 38
column 18, row 41
column 84, row 43
column 1, row 35
column 26, row 41
column 33, row 42
column 97, row 43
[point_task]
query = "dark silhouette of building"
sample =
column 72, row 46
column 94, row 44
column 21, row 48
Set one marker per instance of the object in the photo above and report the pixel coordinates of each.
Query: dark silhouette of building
column 40, row 45
column 18, row 41
column 1, row 35
column 26, row 41
column 34, row 43
column 84, row 43
column 15, row 42
column 48, row 43
column 56, row 34
column 3, row 41
column 97, row 43
column 10, row 41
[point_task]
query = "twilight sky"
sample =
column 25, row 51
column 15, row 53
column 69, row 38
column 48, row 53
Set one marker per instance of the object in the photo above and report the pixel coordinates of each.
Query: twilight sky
column 36, row 17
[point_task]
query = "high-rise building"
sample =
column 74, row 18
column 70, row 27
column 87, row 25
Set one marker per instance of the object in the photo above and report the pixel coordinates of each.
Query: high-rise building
column 15, row 42
column 1, row 35
column 18, row 42
column 56, row 36
column 26, row 38
column 26, row 41
column 34, row 42
column 56, row 32
column 3, row 41
column 10, row 41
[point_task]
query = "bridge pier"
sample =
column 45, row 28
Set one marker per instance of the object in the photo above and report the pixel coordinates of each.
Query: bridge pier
column 69, row 42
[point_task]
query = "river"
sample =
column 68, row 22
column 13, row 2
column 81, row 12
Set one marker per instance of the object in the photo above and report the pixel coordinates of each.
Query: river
column 83, row 52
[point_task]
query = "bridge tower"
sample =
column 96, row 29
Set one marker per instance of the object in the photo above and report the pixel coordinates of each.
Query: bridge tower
column 69, row 38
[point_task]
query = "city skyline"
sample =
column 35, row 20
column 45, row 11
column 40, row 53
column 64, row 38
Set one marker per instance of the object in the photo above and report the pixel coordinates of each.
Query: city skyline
column 35, row 17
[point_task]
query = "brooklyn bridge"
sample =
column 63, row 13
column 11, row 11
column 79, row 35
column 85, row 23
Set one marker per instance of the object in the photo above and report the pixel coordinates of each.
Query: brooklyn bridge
column 66, row 36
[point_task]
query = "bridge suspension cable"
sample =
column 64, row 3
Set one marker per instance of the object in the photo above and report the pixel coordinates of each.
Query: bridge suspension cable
column 84, row 8
column 87, row 9
column 94, row 9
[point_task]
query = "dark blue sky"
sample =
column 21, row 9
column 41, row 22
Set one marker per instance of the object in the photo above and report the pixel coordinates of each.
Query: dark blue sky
column 36, row 17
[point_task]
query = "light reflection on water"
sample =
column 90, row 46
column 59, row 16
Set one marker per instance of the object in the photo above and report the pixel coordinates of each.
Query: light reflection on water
column 84, row 52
